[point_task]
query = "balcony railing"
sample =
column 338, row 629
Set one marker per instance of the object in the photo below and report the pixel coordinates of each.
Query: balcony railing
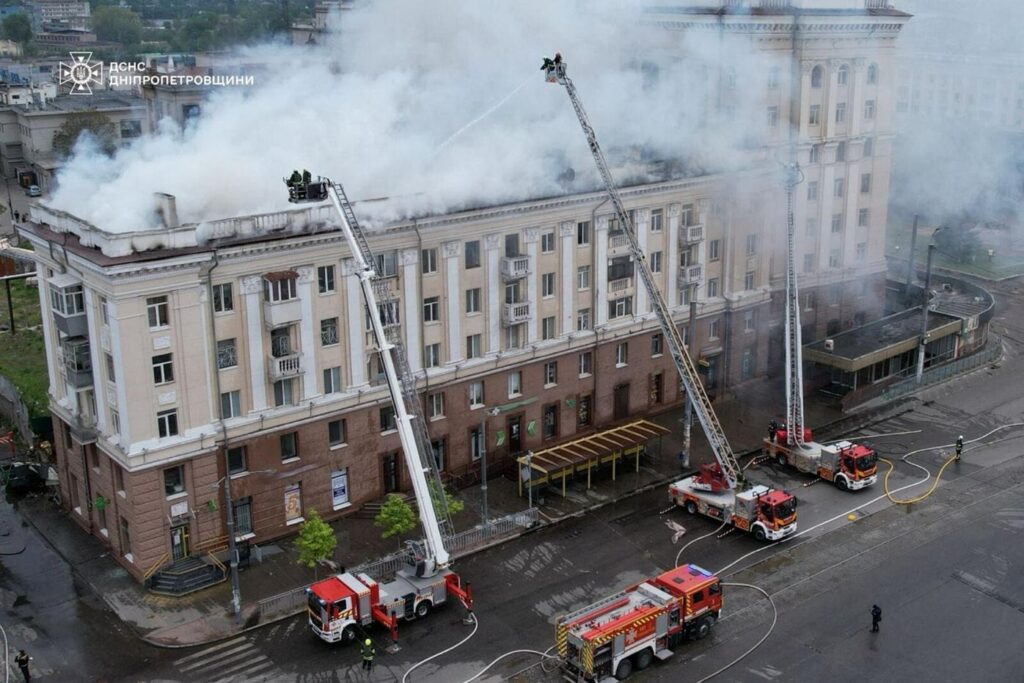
column 516, row 313
column 621, row 284
column 689, row 275
column 618, row 241
column 279, row 313
column 284, row 366
column 690, row 234
column 77, row 362
column 515, row 267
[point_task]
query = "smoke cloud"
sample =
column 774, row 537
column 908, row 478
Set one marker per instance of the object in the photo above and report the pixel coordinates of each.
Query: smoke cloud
column 377, row 105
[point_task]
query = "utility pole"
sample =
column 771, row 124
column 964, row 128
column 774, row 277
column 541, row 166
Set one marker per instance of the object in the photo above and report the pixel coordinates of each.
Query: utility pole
column 910, row 256
column 236, row 590
column 688, row 408
column 924, row 314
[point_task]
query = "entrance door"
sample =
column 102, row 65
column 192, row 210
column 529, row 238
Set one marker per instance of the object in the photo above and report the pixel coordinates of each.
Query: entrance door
column 391, row 478
column 179, row 542
column 621, row 409
column 515, row 435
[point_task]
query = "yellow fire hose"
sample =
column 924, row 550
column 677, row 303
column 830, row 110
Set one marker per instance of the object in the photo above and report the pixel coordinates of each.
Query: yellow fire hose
column 918, row 499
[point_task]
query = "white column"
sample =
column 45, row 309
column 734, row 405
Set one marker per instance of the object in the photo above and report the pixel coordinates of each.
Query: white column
column 355, row 324
column 700, row 248
column 308, row 334
column 413, row 295
column 51, row 339
column 804, row 97
column 856, row 106
column 601, row 276
column 825, row 202
column 567, row 230
column 495, row 292
column 852, row 190
column 641, row 222
column 452, row 251
column 831, row 82
column 531, row 235
column 252, row 288
column 672, row 262
column 97, row 361
column 124, row 437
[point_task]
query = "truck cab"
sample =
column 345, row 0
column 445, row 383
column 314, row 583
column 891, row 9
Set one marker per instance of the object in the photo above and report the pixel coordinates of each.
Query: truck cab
column 770, row 513
column 851, row 466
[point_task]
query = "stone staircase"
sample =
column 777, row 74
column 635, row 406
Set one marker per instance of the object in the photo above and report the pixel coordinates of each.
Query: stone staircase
column 186, row 575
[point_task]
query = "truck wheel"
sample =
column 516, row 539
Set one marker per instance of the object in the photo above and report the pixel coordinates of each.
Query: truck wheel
column 704, row 627
column 644, row 659
column 691, row 507
column 348, row 635
column 842, row 484
column 759, row 534
column 624, row 669
column 423, row 609
column 781, row 460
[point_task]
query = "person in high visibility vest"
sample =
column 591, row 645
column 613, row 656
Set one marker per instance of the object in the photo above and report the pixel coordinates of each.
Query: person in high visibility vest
column 369, row 652
column 959, row 447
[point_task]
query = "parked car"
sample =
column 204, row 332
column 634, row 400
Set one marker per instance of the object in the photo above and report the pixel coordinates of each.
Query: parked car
column 23, row 477
column 33, row 191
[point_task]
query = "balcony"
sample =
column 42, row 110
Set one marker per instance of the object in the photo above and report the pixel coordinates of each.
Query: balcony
column 77, row 362
column 515, row 267
column 83, row 430
column 619, row 240
column 283, row 367
column 690, row 275
column 519, row 312
column 67, row 301
column 691, row 234
column 620, row 285
column 280, row 313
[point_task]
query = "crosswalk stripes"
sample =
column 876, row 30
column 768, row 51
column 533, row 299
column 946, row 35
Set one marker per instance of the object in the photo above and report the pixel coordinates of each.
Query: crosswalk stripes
column 233, row 660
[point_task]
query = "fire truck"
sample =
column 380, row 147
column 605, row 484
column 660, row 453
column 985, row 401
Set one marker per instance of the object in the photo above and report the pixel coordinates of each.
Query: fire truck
column 627, row 631
column 718, row 490
column 849, row 466
column 340, row 605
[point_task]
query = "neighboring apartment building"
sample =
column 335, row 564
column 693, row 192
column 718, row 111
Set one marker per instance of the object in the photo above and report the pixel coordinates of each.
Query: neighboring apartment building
column 60, row 14
column 155, row 336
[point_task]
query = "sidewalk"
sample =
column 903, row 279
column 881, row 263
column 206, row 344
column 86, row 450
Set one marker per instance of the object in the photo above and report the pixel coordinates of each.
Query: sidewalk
column 203, row 617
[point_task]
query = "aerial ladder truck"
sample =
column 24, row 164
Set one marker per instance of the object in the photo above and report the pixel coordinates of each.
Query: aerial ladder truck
column 848, row 465
column 718, row 490
column 341, row 605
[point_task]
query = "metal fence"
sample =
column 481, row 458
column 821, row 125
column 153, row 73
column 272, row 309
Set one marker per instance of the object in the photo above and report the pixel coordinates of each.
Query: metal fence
column 13, row 408
column 282, row 604
column 945, row 371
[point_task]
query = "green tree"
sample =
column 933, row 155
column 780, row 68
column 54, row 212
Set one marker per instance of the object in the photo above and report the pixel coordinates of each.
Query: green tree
column 17, row 27
column 117, row 25
column 959, row 242
column 455, row 506
column 95, row 123
column 316, row 541
column 396, row 517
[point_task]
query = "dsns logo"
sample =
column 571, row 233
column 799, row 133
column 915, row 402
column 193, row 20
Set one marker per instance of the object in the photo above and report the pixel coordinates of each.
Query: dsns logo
column 81, row 72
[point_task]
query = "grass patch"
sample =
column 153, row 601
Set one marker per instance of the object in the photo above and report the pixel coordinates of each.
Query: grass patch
column 1004, row 262
column 23, row 355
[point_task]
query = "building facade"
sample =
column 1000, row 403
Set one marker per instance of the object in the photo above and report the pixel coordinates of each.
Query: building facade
column 239, row 349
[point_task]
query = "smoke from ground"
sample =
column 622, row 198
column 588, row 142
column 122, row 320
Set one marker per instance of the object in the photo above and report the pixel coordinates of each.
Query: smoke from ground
column 376, row 107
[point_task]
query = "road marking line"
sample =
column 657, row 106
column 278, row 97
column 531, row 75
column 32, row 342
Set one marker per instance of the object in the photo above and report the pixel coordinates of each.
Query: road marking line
column 225, row 655
column 227, row 664
column 261, row 669
column 213, row 648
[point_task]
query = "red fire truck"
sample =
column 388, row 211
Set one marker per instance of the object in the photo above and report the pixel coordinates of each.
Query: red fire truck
column 850, row 466
column 627, row 631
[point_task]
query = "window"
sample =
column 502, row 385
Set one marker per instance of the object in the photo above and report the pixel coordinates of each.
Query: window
column 167, row 423
column 655, row 261
column 748, row 281
column 230, row 404
column 387, row 263
column 714, row 250
column 548, row 328
column 816, row 74
column 223, row 302
column 227, row 354
column 157, row 311
column 432, row 355
column 473, row 346
column 428, row 261
column 583, row 413
column 713, row 287
column 283, row 393
column 841, row 151
column 815, row 153
column 515, row 336
column 773, row 78
column 583, row 320
column 329, row 332
column 473, row 300
column 547, row 242
column 863, row 217
column 476, row 444
column 111, row 375
column 622, row 354
column 834, row 295
column 476, row 394
column 840, row 112
column 332, row 380
column 242, row 512
column 431, row 312
column 325, row 279
column 515, row 384
column 104, row 310
column 814, row 118
column 436, row 405
column 586, row 362
column 837, row 222
column 747, row 364
column 387, row 419
column 749, row 321
column 751, row 245
column 809, row 301
column 437, row 448
column 869, row 109
column 550, row 373
column 547, row 284
column 865, row 183
column 686, row 215
column 473, row 254
column 808, row 263
column 512, row 245
column 583, row 233
column 126, row 539
column 811, row 228
column 713, row 329
column 862, row 251
column 834, row 259
column 279, row 288
column 236, row 460
column 657, row 388
column 773, row 117
column 844, row 75
column 293, row 504
column 869, row 146
column 657, row 220
column 70, row 300
column 618, row 308
column 583, row 277
column 337, row 432
column 130, row 128
column 657, row 342
column 549, row 421
column 174, row 480
column 872, row 74
column 812, row 191
column 163, row 369
column 838, row 187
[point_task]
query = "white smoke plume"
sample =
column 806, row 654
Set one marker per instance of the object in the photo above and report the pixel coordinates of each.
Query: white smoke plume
column 376, row 105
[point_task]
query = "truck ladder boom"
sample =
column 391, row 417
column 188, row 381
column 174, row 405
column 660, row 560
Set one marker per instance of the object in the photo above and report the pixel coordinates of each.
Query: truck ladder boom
column 794, row 352
column 684, row 365
column 401, row 383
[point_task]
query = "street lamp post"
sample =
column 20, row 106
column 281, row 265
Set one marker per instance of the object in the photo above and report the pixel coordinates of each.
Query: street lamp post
column 484, row 515
column 924, row 314
column 236, row 589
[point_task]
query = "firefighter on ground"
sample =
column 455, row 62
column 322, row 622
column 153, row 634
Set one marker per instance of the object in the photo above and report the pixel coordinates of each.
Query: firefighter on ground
column 876, row 616
column 368, row 652
column 22, row 661
column 959, row 447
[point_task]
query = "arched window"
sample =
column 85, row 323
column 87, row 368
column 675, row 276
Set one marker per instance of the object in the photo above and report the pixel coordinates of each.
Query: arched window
column 816, row 77
column 844, row 75
column 872, row 74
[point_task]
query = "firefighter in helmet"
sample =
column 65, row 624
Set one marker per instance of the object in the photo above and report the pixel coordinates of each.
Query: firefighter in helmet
column 959, row 447
column 295, row 178
column 368, row 652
